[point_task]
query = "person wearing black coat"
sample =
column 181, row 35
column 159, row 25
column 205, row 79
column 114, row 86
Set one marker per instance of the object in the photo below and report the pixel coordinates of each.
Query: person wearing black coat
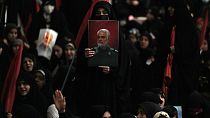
column 28, row 93
column 105, row 85
column 65, row 78
column 185, row 68
column 142, row 68
column 47, row 17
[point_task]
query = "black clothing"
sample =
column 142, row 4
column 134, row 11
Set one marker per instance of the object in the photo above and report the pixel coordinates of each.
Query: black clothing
column 149, row 108
column 34, row 97
column 70, row 90
column 104, row 57
column 110, row 88
column 25, row 111
column 185, row 68
column 57, row 22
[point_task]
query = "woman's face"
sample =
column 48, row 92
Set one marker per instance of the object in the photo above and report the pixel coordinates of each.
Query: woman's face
column 102, row 14
column 49, row 8
column 58, row 51
column 144, row 42
column 23, row 88
column 39, row 79
column 205, row 45
column 132, row 38
column 101, row 11
column 69, row 53
column 28, row 64
column 141, row 115
column 12, row 35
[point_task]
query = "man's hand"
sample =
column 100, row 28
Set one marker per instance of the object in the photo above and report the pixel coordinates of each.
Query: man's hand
column 89, row 52
column 60, row 101
column 105, row 69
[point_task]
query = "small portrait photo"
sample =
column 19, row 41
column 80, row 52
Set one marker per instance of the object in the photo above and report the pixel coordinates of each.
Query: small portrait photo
column 103, row 39
column 45, row 43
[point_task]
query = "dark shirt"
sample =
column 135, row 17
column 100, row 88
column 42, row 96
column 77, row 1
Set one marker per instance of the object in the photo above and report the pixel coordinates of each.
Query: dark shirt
column 104, row 57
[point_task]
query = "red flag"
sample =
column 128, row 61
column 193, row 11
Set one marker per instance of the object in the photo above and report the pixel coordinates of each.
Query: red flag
column 9, row 88
column 84, row 23
column 203, row 30
column 168, row 69
column 169, row 66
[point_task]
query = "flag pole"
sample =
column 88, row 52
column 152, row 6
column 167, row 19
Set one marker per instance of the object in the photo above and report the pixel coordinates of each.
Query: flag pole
column 66, row 77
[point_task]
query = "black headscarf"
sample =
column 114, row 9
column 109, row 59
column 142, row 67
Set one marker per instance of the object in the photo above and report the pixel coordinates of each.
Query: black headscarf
column 34, row 97
column 107, row 6
column 149, row 108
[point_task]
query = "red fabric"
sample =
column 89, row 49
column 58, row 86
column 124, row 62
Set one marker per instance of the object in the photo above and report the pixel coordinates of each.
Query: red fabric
column 37, row 7
column 111, row 25
column 58, row 4
column 9, row 88
column 203, row 30
column 170, row 56
column 173, row 36
column 168, row 69
column 84, row 23
column 169, row 66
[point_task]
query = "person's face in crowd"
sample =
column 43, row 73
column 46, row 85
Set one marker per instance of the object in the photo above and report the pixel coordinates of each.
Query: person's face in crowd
column 12, row 35
column 102, row 14
column 150, row 16
column 102, row 39
column 39, row 79
column 69, row 52
column 132, row 38
column 141, row 115
column 144, row 42
column 23, row 88
column 205, row 45
column 58, row 51
column 101, row 11
column 107, row 115
column 28, row 64
column 171, row 10
column 49, row 8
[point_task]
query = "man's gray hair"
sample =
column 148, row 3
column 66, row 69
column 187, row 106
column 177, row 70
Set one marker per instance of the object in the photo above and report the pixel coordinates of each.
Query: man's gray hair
column 106, row 31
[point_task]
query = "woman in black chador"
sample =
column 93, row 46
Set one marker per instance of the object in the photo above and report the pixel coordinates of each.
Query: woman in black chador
column 47, row 17
column 102, row 85
column 142, row 68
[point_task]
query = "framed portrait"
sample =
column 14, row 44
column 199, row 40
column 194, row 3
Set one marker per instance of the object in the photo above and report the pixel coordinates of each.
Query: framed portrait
column 103, row 39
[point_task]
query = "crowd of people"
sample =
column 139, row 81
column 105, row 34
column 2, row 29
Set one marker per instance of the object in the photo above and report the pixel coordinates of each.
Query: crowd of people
column 132, row 81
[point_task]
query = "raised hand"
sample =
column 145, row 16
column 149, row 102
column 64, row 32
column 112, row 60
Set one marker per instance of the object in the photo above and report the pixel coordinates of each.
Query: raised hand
column 60, row 101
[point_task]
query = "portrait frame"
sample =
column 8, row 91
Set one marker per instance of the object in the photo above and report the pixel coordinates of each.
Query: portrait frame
column 113, row 26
